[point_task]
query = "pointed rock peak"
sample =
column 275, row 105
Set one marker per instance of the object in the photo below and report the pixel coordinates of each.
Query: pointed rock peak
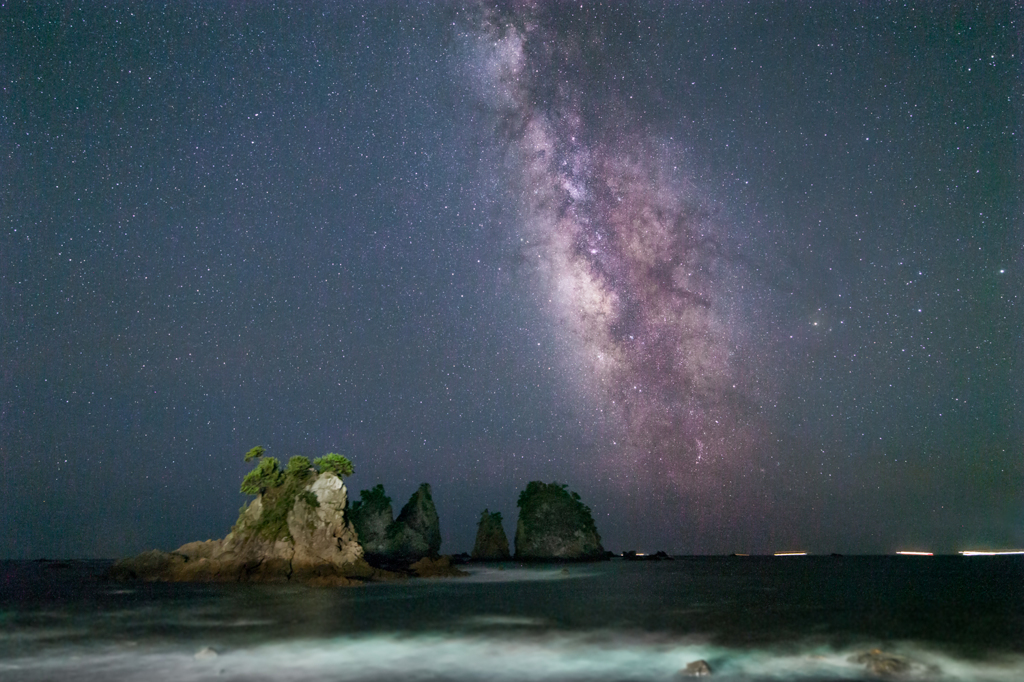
column 491, row 542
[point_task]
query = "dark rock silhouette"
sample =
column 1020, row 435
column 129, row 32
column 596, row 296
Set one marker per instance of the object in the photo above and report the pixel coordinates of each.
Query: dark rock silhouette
column 555, row 525
column 414, row 535
column 631, row 555
column 372, row 516
column 491, row 542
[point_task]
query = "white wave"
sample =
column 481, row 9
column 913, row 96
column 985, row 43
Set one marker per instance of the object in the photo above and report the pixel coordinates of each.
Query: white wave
column 598, row 657
column 502, row 574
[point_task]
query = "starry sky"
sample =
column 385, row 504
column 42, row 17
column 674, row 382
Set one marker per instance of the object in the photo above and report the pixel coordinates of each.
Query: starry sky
column 745, row 276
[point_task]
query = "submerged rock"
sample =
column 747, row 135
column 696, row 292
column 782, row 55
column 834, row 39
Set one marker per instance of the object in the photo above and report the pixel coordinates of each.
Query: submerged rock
column 880, row 663
column 698, row 668
column 491, row 542
column 440, row 567
column 294, row 531
column 555, row 525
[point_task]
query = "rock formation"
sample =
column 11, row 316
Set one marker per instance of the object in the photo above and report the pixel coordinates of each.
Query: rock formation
column 299, row 528
column 295, row 531
column 555, row 525
column 372, row 516
column 414, row 535
column 491, row 542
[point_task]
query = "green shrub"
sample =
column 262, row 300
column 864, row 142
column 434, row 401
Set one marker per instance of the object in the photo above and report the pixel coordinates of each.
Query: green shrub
column 267, row 474
column 334, row 463
column 375, row 498
column 255, row 453
column 298, row 467
column 539, row 496
column 309, row 497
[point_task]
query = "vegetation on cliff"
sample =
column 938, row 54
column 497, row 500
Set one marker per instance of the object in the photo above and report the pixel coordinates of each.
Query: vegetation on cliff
column 279, row 489
column 537, row 495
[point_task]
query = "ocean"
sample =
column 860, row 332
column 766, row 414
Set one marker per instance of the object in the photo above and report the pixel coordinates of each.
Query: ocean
column 748, row 618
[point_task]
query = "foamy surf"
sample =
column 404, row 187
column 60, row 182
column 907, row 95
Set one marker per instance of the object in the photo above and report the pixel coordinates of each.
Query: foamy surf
column 599, row 657
column 514, row 573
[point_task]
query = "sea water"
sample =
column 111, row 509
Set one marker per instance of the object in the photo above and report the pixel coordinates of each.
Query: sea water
column 749, row 618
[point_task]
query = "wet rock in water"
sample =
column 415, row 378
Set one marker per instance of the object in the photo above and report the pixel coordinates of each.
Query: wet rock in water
column 698, row 668
column 491, row 542
column 460, row 558
column 205, row 653
column 440, row 567
column 878, row 662
column 555, row 525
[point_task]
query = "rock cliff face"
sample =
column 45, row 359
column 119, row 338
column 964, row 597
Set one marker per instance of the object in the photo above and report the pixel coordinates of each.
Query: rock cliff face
column 414, row 535
column 491, row 542
column 293, row 532
column 555, row 525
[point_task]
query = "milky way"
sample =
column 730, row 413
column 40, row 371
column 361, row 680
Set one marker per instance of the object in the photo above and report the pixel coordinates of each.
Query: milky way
column 630, row 260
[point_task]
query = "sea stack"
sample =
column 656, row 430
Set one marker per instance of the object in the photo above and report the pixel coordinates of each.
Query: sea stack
column 491, row 542
column 295, row 530
column 414, row 535
column 555, row 525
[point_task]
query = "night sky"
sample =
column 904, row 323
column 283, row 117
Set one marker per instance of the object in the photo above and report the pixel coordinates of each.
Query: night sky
column 748, row 277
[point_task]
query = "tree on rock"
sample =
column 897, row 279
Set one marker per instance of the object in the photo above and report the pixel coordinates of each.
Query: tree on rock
column 254, row 453
column 332, row 462
column 267, row 474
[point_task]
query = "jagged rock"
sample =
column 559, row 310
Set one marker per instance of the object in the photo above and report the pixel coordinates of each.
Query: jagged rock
column 881, row 663
column 555, row 525
column 491, row 542
column 415, row 534
column 294, row 531
column 698, row 668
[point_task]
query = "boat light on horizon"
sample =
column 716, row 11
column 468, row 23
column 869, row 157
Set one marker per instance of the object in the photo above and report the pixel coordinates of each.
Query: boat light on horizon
column 790, row 554
column 916, row 553
column 971, row 552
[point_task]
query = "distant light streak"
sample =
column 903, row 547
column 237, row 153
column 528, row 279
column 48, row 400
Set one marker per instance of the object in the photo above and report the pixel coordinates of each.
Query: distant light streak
column 983, row 553
column 916, row 553
column 790, row 554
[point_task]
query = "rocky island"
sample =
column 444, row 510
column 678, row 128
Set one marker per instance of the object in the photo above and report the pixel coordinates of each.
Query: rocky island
column 297, row 529
column 491, row 542
column 555, row 525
